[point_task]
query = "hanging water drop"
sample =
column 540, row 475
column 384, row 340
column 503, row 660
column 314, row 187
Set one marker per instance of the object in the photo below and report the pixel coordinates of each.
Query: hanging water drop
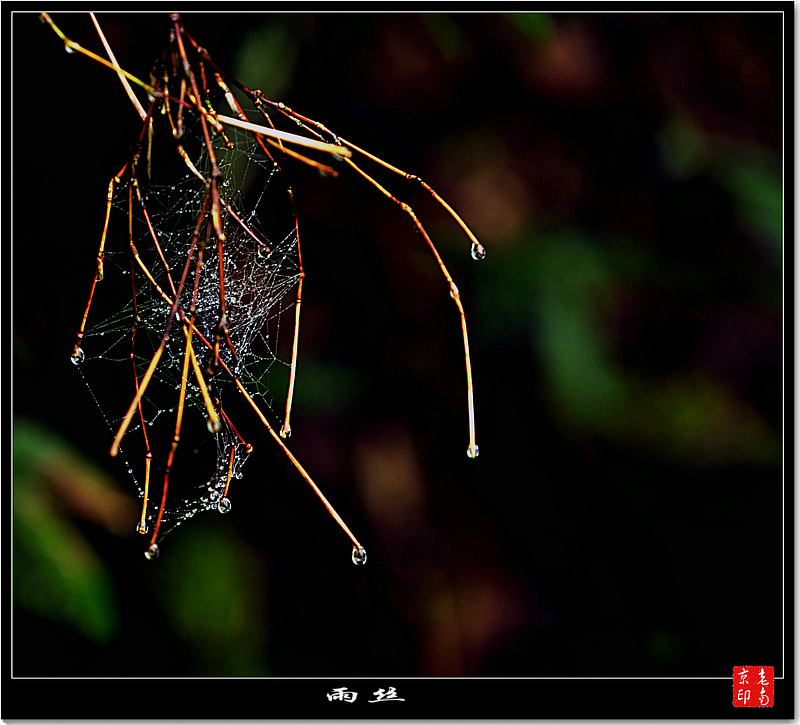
column 78, row 356
column 263, row 252
column 359, row 555
column 224, row 506
column 478, row 251
column 141, row 527
column 68, row 48
column 472, row 451
column 152, row 552
column 214, row 426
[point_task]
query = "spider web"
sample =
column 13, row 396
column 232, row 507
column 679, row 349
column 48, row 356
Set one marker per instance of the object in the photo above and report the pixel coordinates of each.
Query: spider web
column 198, row 272
column 129, row 313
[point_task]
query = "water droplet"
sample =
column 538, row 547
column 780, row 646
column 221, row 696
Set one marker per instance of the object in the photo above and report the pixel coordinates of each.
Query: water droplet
column 78, row 356
column 68, row 48
column 226, row 182
column 472, row 451
column 264, row 252
column 240, row 475
column 141, row 527
column 152, row 552
column 249, row 449
column 286, row 431
column 478, row 250
column 359, row 555
column 224, row 506
column 214, row 426
column 215, row 496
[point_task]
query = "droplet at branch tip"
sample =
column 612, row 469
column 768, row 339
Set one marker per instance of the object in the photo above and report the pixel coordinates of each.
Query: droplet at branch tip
column 359, row 555
column 224, row 506
column 78, row 356
column 478, row 251
column 473, row 451
column 152, row 552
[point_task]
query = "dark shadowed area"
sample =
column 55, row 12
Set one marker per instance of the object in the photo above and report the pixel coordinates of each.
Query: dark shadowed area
column 625, row 174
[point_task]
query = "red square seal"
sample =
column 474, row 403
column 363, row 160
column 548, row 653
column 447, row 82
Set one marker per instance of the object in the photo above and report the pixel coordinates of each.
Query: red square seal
column 753, row 686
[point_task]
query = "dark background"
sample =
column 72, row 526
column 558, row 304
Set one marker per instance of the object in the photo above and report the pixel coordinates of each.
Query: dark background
column 625, row 516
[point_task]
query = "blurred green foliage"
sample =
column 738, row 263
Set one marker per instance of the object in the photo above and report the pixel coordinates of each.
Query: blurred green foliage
column 565, row 289
column 750, row 173
column 447, row 35
column 536, row 27
column 57, row 573
column 209, row 589
column 269, row 53
column 213, row 593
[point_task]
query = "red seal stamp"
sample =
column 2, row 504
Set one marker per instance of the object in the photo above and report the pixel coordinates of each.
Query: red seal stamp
column 753, row 686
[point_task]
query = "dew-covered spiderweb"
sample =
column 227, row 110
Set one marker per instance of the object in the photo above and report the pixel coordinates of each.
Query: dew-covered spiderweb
column 129, row 315
column 193, row 315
